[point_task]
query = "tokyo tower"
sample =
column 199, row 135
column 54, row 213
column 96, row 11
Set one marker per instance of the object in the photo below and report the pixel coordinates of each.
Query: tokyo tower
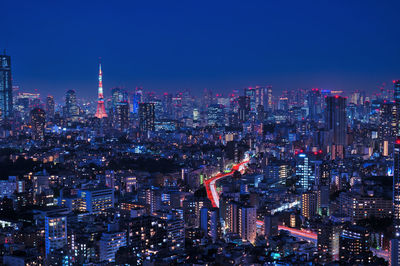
column 101, row 110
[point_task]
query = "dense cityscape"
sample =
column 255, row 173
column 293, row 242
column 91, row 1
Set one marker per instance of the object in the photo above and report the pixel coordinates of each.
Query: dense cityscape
column 249, row 177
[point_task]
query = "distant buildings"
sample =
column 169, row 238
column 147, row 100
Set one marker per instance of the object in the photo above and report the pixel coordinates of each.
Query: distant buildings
column 336, row 126
column 146, row 117
column 38, row 120
column 122, row 116
column 71, row 109
column 6, row 98
column 50, row 107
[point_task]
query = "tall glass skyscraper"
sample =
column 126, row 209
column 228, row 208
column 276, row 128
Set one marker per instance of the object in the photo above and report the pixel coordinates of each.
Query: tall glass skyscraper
column 335, row 122
column 6, row 100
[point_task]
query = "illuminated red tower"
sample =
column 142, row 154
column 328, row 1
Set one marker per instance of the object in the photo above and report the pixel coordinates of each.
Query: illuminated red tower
column 101, row 110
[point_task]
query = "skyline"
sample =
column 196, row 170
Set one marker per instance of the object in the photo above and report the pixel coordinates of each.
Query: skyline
column 234, row 46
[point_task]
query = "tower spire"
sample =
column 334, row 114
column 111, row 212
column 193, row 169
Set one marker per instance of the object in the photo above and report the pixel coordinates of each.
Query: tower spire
column 101, row 110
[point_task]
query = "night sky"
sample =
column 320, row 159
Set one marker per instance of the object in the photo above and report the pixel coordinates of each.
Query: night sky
column 171, row 45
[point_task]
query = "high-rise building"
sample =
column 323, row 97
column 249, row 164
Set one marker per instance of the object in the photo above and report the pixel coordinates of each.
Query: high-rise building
column 209, row 222
column 101, row 109
column 55, row 232
column 328, row 241
column 146, row 117
column 251, row 93
column 167, row 105
column 270, row 103
column 122, row 116
column 147, row 233
column 216, row 115
column 304, row 172
column 395, row 242
column 109, row 244
column 244, row 108
column 50, row 106
column 354, row 246
column 6, row 98
column 247, row 223
column 175, row 233
column 308, row 204
column 396, row 89
column 314, row 104
column 71, row 108
column 335, row 122
column 38, row 120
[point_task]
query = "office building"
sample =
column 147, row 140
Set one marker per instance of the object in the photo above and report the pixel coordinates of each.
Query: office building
column 97, row 200
column 336, row 125
column 309, row 204
column 247, row 223
column 71, row 109
column 354, row 246
column 38, row 121
column 395, row 242
column 50, row 107
column 146, row 117
column 304, row 172
column 244, row 108
column 122, row 116
column 6, row 97
column 216, row 115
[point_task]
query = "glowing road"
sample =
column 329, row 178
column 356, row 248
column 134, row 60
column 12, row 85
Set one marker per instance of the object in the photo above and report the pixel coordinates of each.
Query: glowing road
column 210, row 185
column 309, row 235
column 304, row 234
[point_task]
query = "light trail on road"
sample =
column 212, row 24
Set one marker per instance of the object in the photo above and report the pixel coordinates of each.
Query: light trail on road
column 210, row 185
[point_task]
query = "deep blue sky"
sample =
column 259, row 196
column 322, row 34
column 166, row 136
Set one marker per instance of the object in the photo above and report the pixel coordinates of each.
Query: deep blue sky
column 170, row 45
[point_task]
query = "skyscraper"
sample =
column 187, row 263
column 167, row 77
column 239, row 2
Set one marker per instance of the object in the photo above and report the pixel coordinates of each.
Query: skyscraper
column 314, row 104
column 146, row 117
column 101, row 110
column 306, row 178
column 335, row 123
column 244, row 108
column 215, row 115
column 6, row 99
column 251, row 93
column 247, row 223
column 70, row 109
column 396, row 89
column 38, row 119
column 308, row 204
column 270, row 103
column 395, row 242
column 122, row 116
column 50, row 106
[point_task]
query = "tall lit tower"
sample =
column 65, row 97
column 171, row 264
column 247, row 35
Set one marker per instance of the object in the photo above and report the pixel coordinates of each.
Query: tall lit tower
column 101, row 110
column 395, row 242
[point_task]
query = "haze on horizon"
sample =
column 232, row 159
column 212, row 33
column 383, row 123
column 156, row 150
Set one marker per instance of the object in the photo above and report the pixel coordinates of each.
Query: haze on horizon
column 223, row 45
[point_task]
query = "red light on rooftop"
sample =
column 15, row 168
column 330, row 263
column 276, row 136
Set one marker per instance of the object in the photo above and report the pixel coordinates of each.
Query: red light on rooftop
column 337, row 96
column 397, row 141
column 315, row 153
